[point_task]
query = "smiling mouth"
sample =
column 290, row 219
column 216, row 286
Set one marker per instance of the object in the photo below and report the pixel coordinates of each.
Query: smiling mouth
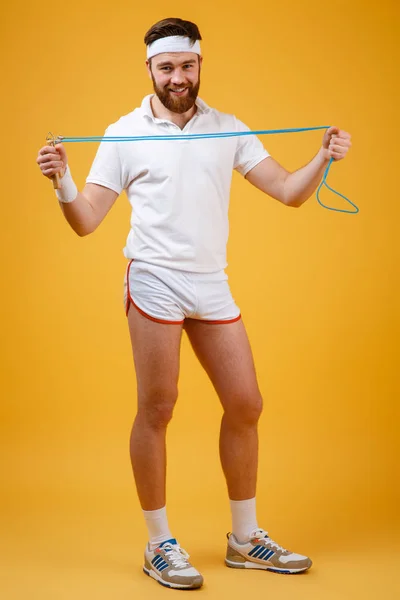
column 178, row 91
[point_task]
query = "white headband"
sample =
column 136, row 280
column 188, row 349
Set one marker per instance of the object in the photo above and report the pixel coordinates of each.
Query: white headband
column 173, row 43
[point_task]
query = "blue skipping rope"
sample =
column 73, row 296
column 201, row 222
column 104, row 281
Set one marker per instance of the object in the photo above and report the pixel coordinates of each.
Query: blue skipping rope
column 197, row 136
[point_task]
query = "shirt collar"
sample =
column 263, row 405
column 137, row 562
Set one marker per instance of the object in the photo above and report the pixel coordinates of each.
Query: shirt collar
column 202, row 108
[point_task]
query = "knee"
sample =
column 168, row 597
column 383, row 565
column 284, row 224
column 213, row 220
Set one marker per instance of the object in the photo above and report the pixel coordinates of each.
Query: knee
column 245, row 410
column 156, row 407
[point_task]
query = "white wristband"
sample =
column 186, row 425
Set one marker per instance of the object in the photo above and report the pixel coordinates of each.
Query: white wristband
column 68, row 191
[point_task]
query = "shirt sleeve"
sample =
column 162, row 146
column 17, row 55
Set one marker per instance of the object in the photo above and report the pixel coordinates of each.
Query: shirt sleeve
column 249, row 150
column 106, row 169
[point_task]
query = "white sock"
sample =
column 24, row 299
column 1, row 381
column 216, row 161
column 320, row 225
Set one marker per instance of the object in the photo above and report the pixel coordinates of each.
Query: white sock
column 157, row 525
column 244, row 518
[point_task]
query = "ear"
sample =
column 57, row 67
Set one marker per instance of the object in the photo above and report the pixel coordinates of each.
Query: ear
column 148, row 66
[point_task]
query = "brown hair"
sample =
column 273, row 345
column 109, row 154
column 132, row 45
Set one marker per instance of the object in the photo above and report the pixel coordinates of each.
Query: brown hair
column 172, row 26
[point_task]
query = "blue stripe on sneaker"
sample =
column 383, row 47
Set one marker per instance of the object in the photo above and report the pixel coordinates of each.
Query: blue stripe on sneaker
column 254, row 550
column 156, row 561
column 278, row 570
column 263, row 553
column 260, row 551
column 269, row 555
column 162, row 567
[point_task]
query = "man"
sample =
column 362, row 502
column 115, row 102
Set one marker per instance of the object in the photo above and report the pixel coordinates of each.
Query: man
column 175, row 280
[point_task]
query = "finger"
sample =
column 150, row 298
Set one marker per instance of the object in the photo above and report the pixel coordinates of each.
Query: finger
column 46, row 150
column 51, row 171
column 54, row 164
column 47, row 158
column 338, row 148
column 342, row 139
column 340, row 142
column 336, row 155
column 333, row 130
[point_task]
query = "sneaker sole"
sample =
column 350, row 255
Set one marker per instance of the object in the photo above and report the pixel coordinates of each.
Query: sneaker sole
column 252, row 565
column 175, row 586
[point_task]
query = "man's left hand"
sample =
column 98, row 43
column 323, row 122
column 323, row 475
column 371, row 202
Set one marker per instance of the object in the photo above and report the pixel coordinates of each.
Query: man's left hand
column 336, row 143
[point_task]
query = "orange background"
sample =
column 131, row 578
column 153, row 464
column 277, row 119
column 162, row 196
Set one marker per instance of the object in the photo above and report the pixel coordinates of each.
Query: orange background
column 318, row 292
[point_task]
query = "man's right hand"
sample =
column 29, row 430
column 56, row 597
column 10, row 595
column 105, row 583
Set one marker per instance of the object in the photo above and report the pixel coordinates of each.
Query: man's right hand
column 52, row 160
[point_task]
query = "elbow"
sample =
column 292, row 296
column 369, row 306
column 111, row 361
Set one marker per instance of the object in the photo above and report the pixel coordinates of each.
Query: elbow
column 289, row 198
column 294, row 202
column 82, row 232
column 85, row 228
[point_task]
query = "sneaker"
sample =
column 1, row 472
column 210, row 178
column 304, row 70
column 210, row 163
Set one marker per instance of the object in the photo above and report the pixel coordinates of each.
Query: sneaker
column 263, row 553
column 168, row 565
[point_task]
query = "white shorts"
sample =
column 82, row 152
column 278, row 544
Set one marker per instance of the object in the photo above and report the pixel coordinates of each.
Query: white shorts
column 171, row 296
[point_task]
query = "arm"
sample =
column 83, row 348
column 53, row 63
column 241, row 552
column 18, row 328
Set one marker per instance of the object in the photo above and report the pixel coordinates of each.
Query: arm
column 89, row 208
column 293, row 189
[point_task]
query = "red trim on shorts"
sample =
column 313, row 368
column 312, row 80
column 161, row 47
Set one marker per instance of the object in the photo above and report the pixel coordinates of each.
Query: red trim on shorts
column 153, row 318
column 218, row 322
column 127, row 289
column 129, row 300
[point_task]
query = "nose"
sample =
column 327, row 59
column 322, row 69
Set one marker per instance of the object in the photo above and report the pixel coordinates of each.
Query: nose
column 177, row 76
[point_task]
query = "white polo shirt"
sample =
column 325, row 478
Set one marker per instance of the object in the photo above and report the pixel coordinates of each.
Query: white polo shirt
column 178, row 189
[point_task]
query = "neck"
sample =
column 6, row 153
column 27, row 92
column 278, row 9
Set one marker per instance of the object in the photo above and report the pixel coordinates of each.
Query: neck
column 161, row 112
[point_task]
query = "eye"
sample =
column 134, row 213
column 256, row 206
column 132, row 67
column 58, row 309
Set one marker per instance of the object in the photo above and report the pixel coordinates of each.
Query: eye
column 187, row 66
column 165, row 68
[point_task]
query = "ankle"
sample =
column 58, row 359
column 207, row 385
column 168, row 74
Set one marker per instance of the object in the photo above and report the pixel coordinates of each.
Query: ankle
column 244, row 519
column 157, row 526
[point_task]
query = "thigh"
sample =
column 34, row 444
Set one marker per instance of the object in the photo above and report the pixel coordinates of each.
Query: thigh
column 156, row 353
column 224, row 352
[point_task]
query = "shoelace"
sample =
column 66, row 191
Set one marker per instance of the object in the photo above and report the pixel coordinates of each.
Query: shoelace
column 177, row 555
column 264, row 534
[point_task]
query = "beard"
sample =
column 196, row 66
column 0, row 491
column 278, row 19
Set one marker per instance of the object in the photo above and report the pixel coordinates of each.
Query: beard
column 177, row 104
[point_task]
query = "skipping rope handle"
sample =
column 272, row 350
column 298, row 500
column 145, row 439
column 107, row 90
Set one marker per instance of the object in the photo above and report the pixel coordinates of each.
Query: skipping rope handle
column 51, row 140
column 56, row 181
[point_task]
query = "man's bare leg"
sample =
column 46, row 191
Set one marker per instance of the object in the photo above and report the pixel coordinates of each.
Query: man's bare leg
column 156, row 349
column 225, row 353
column 156, row 354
